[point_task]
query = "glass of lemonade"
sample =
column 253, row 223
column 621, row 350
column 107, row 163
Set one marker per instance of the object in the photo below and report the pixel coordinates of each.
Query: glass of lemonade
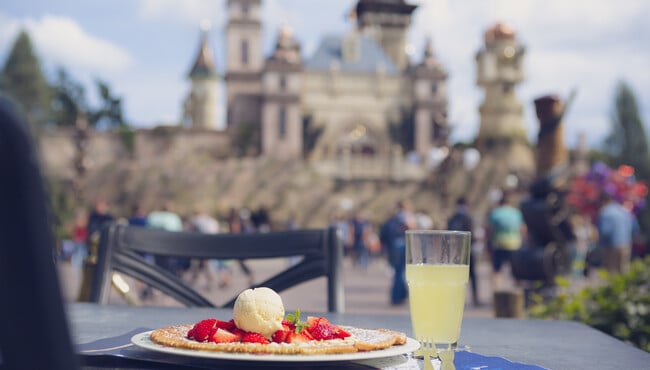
column 437, row 271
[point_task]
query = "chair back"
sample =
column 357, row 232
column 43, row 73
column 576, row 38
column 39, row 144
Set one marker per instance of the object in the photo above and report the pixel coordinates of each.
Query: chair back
column 33, row 326
column 121, row 248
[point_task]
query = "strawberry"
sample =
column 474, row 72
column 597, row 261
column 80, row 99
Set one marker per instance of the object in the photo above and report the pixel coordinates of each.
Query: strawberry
column 223, row 336
column 340, row 333
column 227, row 325
column 280, row 335
column 238, row 331
column 312, row 321
column 251, row 337
column 202, row 329
column 323, row 331
column 301, row 337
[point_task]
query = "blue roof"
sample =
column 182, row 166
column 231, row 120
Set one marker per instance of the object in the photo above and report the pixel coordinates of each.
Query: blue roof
column 371, row 57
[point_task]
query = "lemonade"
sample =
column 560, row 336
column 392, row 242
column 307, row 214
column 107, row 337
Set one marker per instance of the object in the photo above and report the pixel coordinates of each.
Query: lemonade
column 437, row 300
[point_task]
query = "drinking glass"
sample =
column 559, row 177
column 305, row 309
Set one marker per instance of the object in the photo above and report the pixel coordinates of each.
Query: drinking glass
column 437, row 271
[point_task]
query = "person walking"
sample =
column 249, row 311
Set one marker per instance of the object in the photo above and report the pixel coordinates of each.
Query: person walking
column 360, row 227
column 236, row 225
column 402, row 220
column 462, row 221
column 505, row 232
column 615, row 231
column 166, row 219
column 98, row 218
column 202, row 222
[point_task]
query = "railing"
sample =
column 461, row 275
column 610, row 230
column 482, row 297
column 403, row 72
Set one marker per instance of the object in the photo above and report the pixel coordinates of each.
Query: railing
column 357, row 167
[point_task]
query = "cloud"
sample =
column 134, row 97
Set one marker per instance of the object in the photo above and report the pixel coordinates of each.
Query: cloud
column 62, row 41
column 190, row 12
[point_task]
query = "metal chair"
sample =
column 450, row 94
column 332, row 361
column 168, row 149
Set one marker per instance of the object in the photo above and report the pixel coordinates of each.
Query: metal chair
column 34, row 333
column 121, row 248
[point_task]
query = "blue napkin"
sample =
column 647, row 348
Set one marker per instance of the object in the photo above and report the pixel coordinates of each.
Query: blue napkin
column 464, row 360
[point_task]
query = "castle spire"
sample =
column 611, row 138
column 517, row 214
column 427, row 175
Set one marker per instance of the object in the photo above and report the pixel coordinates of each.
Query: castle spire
column 287, row 49
column 203, row 63
column 429, row 59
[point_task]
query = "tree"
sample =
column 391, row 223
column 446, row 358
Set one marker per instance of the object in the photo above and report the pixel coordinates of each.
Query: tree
column 68, row 99
column 23, row 80
column 627, row 142
column 109, row 114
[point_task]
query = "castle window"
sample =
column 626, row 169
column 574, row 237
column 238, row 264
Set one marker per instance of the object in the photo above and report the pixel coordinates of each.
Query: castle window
column 245, row 9
column 244, row 52
column 282, row 122
column 283, row 82
column 434, row 88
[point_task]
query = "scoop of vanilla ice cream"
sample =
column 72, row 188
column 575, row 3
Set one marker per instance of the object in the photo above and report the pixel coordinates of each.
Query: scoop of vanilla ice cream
column 259, row 310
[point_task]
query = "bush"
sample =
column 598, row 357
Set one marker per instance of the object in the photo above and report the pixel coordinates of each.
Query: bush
column 619, row 307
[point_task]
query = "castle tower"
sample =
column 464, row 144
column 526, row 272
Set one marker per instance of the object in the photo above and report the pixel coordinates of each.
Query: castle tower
column 200, row 108
column 244, row 62
column 500, row 69
column 387, row 21
column 281, row 86
column 430, row 103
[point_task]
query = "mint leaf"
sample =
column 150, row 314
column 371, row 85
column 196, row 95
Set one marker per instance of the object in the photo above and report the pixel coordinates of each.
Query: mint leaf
column 295, row 320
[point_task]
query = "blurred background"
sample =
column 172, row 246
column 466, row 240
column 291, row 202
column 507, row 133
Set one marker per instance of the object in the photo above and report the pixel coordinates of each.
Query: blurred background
column 281, row 114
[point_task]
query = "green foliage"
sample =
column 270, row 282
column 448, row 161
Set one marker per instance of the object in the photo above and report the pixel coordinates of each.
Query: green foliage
column 109, row 114
column 627, row 143
column 247, row 139
column 127, row 135
column 68, row 99
column 23, row 80
column 619, row 307
column 62, row 206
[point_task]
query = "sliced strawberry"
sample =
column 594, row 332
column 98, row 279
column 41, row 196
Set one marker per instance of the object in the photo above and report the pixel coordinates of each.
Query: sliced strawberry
column 227, row 325
column 312, row 321
column 224, row 336
column 202, row 329
column 340, row 333
column 306, row 334
column 238, row 331
column 251, row 337
column 301, row 337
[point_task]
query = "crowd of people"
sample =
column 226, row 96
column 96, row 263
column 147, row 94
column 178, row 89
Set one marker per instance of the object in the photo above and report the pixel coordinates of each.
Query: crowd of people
column 86, row 227
column 495, row 238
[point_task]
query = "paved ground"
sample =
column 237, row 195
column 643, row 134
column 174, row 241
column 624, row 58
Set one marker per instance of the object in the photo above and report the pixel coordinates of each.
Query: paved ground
column 366, row 291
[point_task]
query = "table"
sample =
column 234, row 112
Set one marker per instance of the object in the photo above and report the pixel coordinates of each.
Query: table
column 551, row 344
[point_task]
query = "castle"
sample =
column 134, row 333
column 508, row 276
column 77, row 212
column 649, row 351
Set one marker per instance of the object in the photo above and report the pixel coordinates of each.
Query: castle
column 353, row 94
column 351, row 110
column 358, row 94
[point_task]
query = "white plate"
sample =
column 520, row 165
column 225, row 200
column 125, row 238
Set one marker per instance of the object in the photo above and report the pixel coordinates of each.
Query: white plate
column 143, row 340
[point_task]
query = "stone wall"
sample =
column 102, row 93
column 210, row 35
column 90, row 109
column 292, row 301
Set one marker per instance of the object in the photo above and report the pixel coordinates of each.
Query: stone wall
column 158, row 144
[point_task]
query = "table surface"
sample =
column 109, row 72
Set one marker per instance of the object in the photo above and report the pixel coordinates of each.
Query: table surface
column 546, row 343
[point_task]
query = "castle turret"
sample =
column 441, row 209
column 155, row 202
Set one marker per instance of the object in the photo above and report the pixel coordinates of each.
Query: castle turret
column 387, row 21
column 244, row 63
column 500, row 69
column 281, row 113
column 430, row 102
column 200, row 106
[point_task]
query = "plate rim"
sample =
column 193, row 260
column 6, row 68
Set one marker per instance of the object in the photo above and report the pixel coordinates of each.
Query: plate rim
column 143, row 340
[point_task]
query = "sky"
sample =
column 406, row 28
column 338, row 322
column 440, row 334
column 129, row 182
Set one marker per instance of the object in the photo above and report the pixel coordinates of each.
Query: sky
column 144, row 49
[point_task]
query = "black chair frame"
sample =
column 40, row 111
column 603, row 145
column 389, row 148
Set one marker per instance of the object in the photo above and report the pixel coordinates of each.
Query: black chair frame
column 121, row 248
